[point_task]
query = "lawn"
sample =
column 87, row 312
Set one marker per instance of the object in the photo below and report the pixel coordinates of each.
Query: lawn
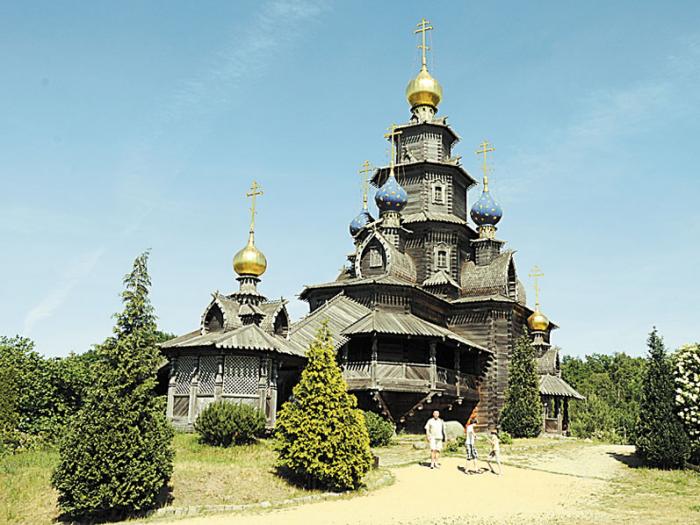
column 202, row 476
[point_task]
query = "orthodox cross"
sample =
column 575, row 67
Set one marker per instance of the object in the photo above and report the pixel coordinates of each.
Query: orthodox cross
column 392, row 133
column 255, row 191
column 536, row 273
column 486, row 147
column 364, row 173
column 423, row 27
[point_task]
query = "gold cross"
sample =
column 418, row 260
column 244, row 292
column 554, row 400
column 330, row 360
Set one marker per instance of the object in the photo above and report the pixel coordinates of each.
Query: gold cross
column 255, row 191
column 486, row 147
column 392, row 133
column 364, row 172
column 536, row 273
column 423, row 27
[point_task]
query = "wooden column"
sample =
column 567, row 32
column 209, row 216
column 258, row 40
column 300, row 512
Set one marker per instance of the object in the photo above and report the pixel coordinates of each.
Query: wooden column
column 194, row 389
column 458, row 356
column 171, row 388
column 373, row 360
column 433, row 364
column 263, row 384
column 219, row 379
column 343, row 356
column 272, row 396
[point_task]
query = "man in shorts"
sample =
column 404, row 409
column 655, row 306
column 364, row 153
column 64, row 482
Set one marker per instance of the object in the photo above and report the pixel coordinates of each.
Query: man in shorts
column 470, row 442
column 435, row 434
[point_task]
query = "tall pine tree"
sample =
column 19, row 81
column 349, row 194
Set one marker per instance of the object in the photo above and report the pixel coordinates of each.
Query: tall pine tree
column 522, row 412
column 660, row 438
column 321, row 435
column 116, row 457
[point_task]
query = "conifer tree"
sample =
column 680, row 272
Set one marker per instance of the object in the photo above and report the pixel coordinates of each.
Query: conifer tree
column 522, row 412
column 321, row 435
column 116, row 457
column 660, row 438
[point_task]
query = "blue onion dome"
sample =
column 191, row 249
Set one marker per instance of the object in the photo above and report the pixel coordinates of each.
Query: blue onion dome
column 359, row 222
column 486, row 211
column 391, row 196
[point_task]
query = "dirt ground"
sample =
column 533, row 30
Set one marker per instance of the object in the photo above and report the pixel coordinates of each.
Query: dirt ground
column 556, row 488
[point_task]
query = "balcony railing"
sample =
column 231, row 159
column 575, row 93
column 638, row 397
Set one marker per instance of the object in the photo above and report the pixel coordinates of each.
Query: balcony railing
column 389, row 374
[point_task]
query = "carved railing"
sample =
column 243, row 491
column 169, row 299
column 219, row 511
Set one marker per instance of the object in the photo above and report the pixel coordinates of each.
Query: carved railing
column 360, row 374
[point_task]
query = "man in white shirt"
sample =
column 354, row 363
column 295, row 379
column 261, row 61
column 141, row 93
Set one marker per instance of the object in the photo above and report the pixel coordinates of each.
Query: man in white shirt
column 435, row 434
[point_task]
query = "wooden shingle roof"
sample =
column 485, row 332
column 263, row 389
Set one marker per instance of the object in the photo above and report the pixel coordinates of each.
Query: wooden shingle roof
column 489, row 279
column 339, row 312
column 439, row 278
column 392, row 323
column 555, row 386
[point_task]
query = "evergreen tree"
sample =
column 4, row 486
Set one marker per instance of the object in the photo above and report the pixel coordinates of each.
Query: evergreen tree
column 116, row 457
column 660, row 438
column 522, row 412
column 321, row 435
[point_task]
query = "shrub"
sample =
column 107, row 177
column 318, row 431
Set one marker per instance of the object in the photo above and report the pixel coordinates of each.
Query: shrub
column 456, row 444
column 117, row 455
column 522, row 412
column 661, row 440
column 687, row 381
column 505, row 438
column 380, row 430
column 322, row 439
column 222, row 423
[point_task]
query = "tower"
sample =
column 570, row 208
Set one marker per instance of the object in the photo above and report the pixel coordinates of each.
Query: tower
column 486, row 213
column 434, row 180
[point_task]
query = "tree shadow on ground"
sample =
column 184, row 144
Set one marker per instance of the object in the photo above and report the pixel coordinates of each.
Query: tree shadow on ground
column 629, row 459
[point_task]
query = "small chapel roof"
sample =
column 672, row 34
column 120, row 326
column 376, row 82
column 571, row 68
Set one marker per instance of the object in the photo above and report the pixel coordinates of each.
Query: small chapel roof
column 551, row 385
column 441, row 277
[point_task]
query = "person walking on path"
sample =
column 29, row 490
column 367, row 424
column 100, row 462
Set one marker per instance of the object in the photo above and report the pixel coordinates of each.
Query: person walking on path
column 470, row 442
column 495, row 454
column 435, row 434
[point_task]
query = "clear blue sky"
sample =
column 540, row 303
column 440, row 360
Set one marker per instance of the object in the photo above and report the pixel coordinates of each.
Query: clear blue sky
column 133, row 125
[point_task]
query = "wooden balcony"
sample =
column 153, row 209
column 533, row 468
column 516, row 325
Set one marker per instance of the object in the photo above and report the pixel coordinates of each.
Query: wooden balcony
column 409, row 377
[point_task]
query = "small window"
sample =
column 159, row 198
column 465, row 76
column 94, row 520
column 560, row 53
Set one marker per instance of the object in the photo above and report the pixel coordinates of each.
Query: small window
column 438, row 194
column 375, row 258
column 442, row 259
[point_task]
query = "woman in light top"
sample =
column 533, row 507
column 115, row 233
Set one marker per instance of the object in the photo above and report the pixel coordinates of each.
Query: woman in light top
column 470, row 442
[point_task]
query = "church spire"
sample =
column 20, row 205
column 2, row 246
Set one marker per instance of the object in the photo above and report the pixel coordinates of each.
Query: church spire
column 424, row 92
column 486, row 212
column 250, row 261
column 364, row 217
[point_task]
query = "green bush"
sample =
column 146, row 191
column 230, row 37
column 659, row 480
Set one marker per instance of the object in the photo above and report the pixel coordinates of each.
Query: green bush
column 505, row 438
column 380, row 430
column 116, row 458
column 223, row 423
column 522, row 412
column 322, row 439
column 686, row 363
column 456, row 445
column 661, row 439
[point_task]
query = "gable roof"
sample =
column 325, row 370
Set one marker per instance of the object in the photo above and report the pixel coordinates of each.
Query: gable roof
column 439, row 278
column 340, row 312
column 547, row 362
column 398, row 263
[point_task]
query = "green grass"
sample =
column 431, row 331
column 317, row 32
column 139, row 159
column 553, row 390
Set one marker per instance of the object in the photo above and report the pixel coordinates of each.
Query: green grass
column 26, row 495
column 644, row 495
column 202, row 475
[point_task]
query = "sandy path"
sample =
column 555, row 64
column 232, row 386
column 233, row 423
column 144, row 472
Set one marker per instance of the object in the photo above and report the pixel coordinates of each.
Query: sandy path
column 421, row 495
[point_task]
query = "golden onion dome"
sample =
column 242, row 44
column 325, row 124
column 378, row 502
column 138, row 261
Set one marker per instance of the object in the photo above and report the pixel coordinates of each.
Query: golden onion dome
column 424, row 90
column 537, row 321
column 250, row 260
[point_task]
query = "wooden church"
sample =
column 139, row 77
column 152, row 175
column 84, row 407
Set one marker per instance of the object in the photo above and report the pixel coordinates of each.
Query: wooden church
column 424, row 315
